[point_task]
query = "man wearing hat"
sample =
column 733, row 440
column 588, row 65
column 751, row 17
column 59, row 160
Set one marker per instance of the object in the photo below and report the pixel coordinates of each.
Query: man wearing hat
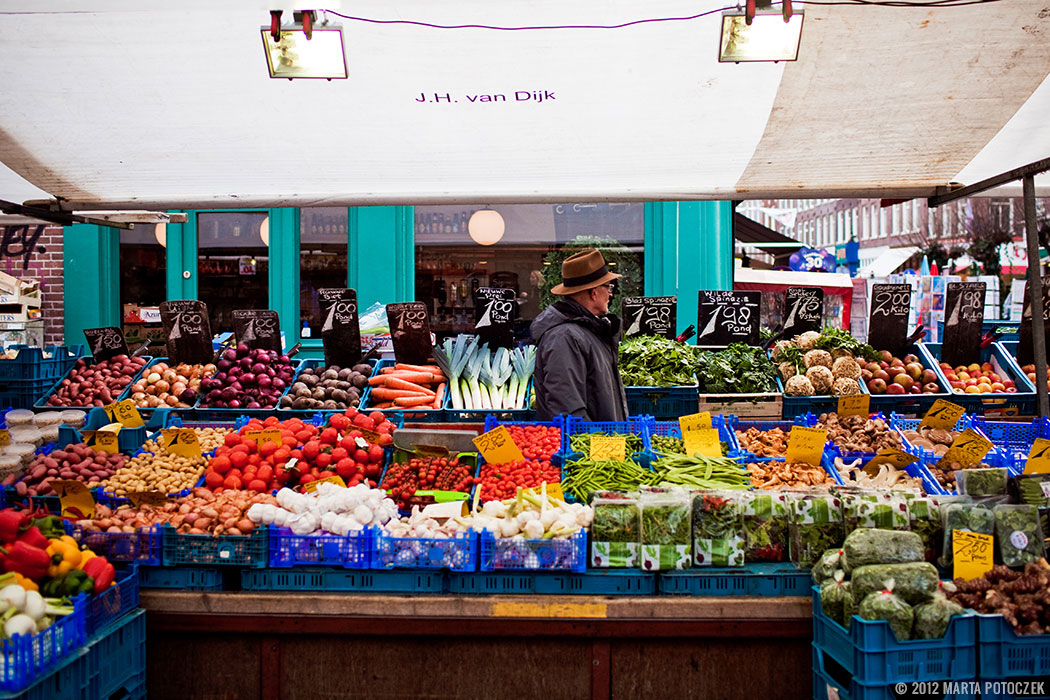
column 577, row 363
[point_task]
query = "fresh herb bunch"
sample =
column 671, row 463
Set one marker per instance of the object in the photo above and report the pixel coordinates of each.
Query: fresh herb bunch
column 718, row 533
column 969, row 517
column 581, row 442
column 832, row 338
column 739, row 369
column 647, row 360
column 666, row 524
column 616, row 522
column 1019, row 534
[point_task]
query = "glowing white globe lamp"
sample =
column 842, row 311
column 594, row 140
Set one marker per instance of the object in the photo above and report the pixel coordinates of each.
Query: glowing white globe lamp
column 486, row 227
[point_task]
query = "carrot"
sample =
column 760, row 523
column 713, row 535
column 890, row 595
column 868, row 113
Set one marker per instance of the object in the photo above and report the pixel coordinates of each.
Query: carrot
column 421, row 401
column 439, row 396
column 419, row 377
column 396, row 383
column 417, row 368
column 383, row 393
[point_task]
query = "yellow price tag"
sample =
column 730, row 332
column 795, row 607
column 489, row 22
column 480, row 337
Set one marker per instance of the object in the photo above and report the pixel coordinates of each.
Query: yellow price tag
column 607, row 447
column 553, row 491
column 942, row 414
column 104, row 439
column 1038, row 458
column 312, row 486
column 806, row 445
column 76, row 498
column 261, row 436
column 181, row 441
column 854, row 405
column 968, row 449
column 147, row 498
column 5, row 438
column 126, row 413
column 891, row 456
column 972, row 554
column 497, row 447
column 695, row 421
column 370, row 435
column 704, row 442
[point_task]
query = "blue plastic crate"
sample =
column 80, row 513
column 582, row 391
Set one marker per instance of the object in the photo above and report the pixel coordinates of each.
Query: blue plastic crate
column 129, row 440
column 830, row 682
column 624, row 582
column 284, row 412
column 735, row 424
column 1010, row 330
column 755, row 579
column 870, row 653
column 518, row 553
column 662, row 401
column 117, row 657
column 350, row 551
column 673, row 429
column 185, row 578
column 202, row 412
column 916, row 469
column 459, row 553
column 142, row 547
column 795, row 406
column 412, row 415
column 329, row 580
column 211, row 550
column 24, row 393
column 40, row 403
column 114, row 602
column 30, row 363
column 69, row 680
column 1005, row 654
column 28, row 658
column 914, row 404
column 1020, row 403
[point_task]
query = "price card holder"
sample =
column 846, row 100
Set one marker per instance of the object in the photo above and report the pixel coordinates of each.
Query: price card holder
column 650, row 316
column 892, row 456
column 607, row 447
column 369, row 435
column 258, row 329
column 554, row 491
column 495, row 310
column 803, row 310
column 262, row 436
column 968, row 449
column 695, row 421
column 1038, row 458
column 410, row 332
column 1026, row 344
column 187, row 331
column 943, row 415
column 126, row 413
column 963, row 322
column 806, row 445
column 726, row 317
column 341, row 332
column 704, row 442
column 181, row 441
column 854, row 405
column 76, row 498
column 147, row 498
column 972, row 554
column 497, row 447
column 106, row 343
column 888, row 319
column 105, row 438
column 5, row 438
column 312, row 486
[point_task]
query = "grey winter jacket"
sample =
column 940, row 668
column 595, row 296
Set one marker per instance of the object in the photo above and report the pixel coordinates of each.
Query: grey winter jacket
column 577, row 365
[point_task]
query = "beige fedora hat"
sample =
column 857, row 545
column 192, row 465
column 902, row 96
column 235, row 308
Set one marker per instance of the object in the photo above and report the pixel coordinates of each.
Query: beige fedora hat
column 582, row 271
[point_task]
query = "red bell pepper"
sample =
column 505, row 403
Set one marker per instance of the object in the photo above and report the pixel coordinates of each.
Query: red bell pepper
column 102, row 571
column 26, row 559
column 34, row 538
column 12, row 522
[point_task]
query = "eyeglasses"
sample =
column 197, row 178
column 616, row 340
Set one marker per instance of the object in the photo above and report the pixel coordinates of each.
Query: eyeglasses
column 612, row 287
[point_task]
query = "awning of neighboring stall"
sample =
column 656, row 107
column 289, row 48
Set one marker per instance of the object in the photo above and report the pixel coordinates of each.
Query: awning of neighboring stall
column 777, row 281
column 886, row 262
column 753, row 234
column 116, row 104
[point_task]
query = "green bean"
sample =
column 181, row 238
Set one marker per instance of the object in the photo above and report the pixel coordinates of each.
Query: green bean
column 581, row 442
column 584, row 476
column 701, row 472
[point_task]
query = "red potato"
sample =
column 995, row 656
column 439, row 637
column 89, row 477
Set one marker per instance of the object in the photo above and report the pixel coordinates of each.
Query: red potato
column 98, row 384
column 76, row 463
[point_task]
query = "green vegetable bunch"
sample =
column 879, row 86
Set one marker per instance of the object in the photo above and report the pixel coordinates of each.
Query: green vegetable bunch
column 647, row 360
column 616, row 522
column 701, row 472
column 581, row 442
column 739, row 369
column 837, row 338
column 666, row 524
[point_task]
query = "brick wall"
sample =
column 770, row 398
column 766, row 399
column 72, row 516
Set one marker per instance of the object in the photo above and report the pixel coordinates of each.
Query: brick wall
column 36, row 251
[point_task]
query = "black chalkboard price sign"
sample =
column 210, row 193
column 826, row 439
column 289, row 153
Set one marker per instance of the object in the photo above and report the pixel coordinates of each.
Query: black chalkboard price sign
column 726, row 317
column 963, row 318
column 650, row 316
column 495, row 310
column 888, row 319
column 410, row 331
column 341, row 332
column 1025, row 346
column 187, row 331
column 803, row 310
column 106, row 342
column 258, row 329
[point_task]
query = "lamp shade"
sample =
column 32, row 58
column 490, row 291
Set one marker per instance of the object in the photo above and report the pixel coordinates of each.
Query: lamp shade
column 160, row 232
column 486, row 226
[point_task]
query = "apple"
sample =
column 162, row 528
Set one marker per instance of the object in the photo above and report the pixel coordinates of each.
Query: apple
column 904, row 380
column 887, row 356
column 929, row 376
column 908, row 359
column 1009, row 383
column 873, row 367
column 915, row 389
column 865, row 375
column 895, row 388
column 884, row 364
column 881, row 374
column 877, row 386
column 913, row 370
column 931, row 388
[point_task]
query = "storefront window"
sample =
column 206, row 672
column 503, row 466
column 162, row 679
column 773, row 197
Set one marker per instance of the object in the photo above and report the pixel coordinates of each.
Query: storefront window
column 232, row 264
column 143, row 259
column 322, row 261
column 450, row 264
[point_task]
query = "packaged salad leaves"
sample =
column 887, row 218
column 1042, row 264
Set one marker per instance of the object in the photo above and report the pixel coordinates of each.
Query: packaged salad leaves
column 834, row 594
column 718, row 528
column 816, row 525
column 972, row 517
column 873, row 546
column 1018, row 534
column 886, row 605
column 825, row 567
column 915, row 581
column 1031, row 489
column 616, row 531
column 982, row 483
column 925, row 519
column 766, row 518
column 932, row 618
column 875, row 509
column 666, row 530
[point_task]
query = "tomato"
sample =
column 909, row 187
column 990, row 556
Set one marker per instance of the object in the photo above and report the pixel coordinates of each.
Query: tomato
column 326, row 475
column 339, row 421
column 329, row 436
column 323, row 460
column 232, row 482
column 348, row 442
column 345, row 467
column 311, row 450
column 213, row 479
column 220, row 465
column 373, row 471
column 375, row 453
column 363, row 421
column 232, row 440
column 386, row 439
column 239, row 459
column 257, row 485
column 339, row 453
column 360, row 456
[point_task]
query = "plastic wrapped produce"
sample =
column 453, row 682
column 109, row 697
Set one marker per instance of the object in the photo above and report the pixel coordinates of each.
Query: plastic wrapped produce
column 925, row 519
column 849, row 608
column 666, row 532
column 718, row 528
column 833, row 596
column 1018, row 534
column 766, row 518
column 616, row 531
column 886, row 605
column 863, row 547
column 19, row 416
column 971, row 517
column 74, row 418
column 981, row 483
column 816, row 525
column 826, row 566
column 915, row 582
column 933, row 617
column 1031, row 489
column 875, row 509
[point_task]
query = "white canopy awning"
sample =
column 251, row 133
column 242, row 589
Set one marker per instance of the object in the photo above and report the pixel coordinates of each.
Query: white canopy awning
column 147, row 104
column 887, row 262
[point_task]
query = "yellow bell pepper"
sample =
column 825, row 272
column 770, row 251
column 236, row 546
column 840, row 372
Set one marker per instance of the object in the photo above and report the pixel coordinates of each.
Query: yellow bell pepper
column 65, row 556
column 24, row 582
column 86, row 555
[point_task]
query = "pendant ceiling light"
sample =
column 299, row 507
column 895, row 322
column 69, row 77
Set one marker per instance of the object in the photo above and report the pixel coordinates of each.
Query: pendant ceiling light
column 486, row 227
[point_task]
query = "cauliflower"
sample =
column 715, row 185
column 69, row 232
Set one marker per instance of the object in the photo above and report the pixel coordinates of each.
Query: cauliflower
column 845, row 387
column 787, row 370
column 817, row 357
column 821, row 378
column 780, row 347
column 808, row 340
column 798, row 386
column 845, row 368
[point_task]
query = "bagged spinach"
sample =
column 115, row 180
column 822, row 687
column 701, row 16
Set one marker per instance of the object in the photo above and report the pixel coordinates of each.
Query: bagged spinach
column 849, row 608
column 827, row 565
column 886, row 605
column 816, row 525
column 972, row 517
column 718, row 528
column 981, row 483
column 616, row 532
column 863, row 547
column 875, row 509
column 914, row 582
column 932, row 618
column 666, row 532
column 1019, row 534
column 833, row 596
column 1031, row 489
column 925, row 521
column 766, row 517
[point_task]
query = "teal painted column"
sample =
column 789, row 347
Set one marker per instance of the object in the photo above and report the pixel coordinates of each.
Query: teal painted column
column 381, row 250
column 284, row 271
column 91, row 275
column 181, row 246
column 688, row 247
